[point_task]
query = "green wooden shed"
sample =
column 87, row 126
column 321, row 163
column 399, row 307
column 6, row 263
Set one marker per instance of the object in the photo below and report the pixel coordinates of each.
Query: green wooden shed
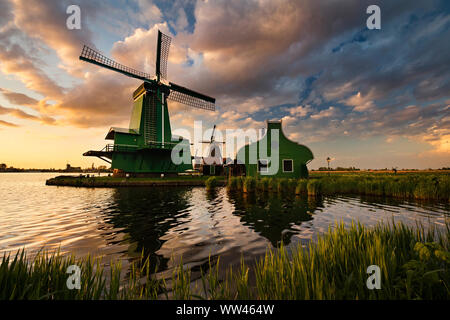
column 274, row 155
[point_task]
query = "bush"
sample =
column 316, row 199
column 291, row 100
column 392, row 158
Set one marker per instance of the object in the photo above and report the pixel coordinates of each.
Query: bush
column 211, row 183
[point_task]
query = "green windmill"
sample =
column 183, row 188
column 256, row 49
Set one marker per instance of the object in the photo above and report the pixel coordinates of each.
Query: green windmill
column 145, row 147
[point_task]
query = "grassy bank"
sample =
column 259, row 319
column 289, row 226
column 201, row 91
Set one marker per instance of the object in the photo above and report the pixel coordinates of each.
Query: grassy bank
column 405, row 186
column 97, row 182
column 414, row 265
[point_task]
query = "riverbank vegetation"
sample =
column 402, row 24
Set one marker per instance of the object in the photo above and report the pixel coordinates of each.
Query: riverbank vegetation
column 211, row 183
column 404, row 186
column 414, row 264
column 105, row 181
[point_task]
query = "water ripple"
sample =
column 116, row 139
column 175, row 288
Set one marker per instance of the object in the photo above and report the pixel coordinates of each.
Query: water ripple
column 170, row 223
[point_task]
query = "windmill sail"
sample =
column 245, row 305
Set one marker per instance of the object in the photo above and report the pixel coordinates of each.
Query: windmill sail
column 162, row 55
column 177, row 93
column 92, row 56
column 145, row 147
column 191, row 98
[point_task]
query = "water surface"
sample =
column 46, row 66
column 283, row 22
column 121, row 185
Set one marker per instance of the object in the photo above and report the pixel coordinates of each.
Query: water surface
column 165, row 222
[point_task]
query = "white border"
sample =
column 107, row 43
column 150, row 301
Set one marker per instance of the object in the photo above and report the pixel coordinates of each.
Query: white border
column 292, row 164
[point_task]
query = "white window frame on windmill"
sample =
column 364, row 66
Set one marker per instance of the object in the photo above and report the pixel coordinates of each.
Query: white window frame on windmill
column 292, row 161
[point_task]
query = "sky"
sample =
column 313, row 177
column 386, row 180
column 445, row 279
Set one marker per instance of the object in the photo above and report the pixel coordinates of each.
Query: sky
column 365, row 98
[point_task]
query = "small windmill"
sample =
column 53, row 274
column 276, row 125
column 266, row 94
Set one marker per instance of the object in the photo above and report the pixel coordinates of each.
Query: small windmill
column 212, row 164
column 214, row 153
column 145, row 147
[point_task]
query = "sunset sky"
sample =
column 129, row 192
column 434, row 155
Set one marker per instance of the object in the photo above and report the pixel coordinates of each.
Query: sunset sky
column 366, row 98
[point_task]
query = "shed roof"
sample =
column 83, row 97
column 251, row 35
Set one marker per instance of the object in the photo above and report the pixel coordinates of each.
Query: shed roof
column 277, row 124
column 113, row 130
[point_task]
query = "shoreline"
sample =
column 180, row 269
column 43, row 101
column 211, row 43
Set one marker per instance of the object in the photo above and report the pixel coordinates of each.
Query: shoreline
column 112, row 182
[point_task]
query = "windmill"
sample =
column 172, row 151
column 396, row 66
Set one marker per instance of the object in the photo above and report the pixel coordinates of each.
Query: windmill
column 213, row 162
column 146, row 146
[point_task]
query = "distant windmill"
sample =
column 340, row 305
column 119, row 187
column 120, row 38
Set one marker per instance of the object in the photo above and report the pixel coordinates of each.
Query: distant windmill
column 212, row 164
column 145, row 147
column 214, row 155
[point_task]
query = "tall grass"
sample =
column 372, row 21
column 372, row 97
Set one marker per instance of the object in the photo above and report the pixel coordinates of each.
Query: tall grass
column 414, row 264
column 302, row 186
column 211, row 183
column 262, row 185
column 286, row 186
column 235, row 183
column 45, row 277
column 249, row 185
column 405, row 186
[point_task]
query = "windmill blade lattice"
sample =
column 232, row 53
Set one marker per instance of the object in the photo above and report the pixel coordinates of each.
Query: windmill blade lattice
column 90, row 55
column 144, row 147
column 162, row 54
column 177, row 93
column 191, row 100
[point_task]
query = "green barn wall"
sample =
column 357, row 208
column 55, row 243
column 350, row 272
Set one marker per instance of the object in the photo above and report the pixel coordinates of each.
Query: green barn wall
column 300, row 154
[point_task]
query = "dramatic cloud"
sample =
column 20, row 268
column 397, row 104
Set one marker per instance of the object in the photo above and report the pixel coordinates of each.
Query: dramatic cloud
column 7, row 124
column 312, row 63
column 18, row 98
column 23, row 115
column 103, row 99
column 46, row 21
column 14, row 60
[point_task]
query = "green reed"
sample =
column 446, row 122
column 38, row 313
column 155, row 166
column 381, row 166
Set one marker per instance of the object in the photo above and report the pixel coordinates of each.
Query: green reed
column 414, row 264
column 404, row 186
column 235, row 183
column 249, row 184
column 335, row 267
column 45, row 277
column 302, row 186
column 262, row 184
column 211, row 183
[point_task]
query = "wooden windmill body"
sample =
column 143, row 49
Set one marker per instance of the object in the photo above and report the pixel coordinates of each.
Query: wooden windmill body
column 145, row 147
